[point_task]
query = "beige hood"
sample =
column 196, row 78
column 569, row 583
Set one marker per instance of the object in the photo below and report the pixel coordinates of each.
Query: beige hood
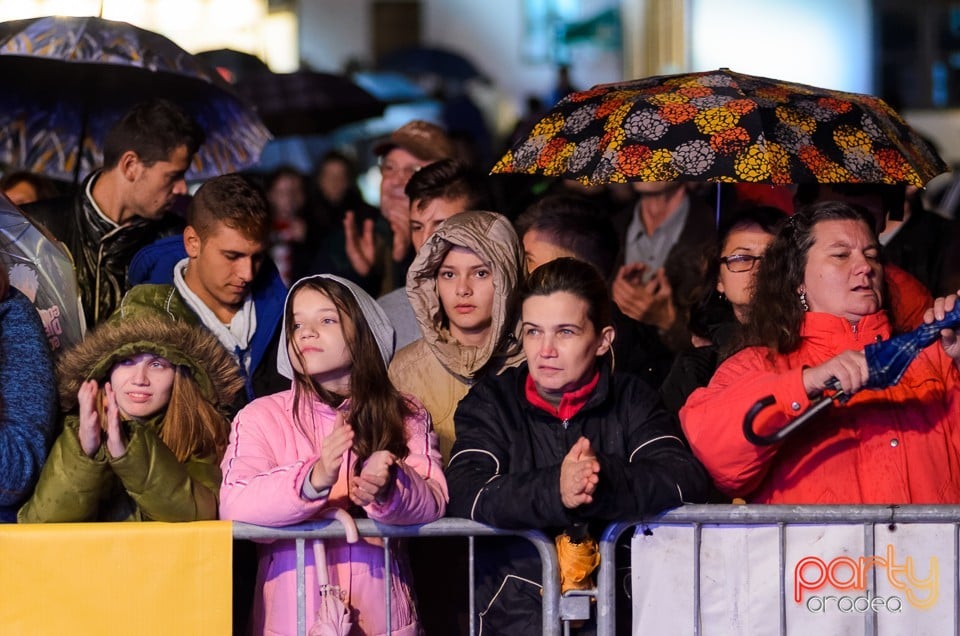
column 492, row 237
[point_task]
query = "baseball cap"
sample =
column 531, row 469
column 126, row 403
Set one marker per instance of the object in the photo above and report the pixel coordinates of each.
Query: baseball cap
column 423, row 140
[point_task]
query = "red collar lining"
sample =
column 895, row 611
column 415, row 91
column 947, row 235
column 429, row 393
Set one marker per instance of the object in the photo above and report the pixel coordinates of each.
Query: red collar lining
column 570, row 403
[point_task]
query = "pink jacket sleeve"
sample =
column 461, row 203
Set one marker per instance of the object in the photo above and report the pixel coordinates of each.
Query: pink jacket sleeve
column 257, row 488
column 419, row 494
column 712, row 418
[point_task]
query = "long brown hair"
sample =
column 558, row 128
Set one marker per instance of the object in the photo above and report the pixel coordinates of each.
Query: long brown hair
column 192, row 426
column 377, row 409
column 776, row 313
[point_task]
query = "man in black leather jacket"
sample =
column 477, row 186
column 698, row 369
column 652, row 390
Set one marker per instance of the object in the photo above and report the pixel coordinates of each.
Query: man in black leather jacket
column 125, row 205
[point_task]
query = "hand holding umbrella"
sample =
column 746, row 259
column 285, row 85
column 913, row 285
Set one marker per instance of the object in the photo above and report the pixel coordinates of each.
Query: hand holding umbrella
column 878, row 366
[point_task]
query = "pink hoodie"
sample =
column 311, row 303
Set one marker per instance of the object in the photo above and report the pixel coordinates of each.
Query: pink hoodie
column 264, row 468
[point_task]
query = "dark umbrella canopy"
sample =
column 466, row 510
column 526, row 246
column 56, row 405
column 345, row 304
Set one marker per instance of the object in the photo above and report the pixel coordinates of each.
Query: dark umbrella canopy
column 68, row 80
column 233, row 65
column 725, row 127
column 306, row 102
column 425, row 60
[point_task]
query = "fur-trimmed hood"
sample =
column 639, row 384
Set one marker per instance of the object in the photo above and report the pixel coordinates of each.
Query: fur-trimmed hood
column 212, row 367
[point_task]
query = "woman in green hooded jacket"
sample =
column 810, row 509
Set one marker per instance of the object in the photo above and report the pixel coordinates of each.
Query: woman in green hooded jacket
column 144, row 428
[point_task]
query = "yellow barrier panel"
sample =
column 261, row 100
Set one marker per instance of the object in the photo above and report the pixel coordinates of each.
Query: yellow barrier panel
column 116, row 578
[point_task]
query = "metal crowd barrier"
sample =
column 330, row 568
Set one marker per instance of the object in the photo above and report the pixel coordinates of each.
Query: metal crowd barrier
column 875, row 523
column 878, row 523
column 442, row 528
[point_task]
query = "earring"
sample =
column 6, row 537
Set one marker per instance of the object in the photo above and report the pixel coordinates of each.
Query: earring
column 803, row 300
column 721, row 296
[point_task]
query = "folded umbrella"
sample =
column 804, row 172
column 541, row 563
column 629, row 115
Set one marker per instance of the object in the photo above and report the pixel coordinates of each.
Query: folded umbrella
column 886, row 363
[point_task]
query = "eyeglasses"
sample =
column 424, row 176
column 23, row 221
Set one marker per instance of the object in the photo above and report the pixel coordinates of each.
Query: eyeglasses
column 388, row 169
column 738, row 263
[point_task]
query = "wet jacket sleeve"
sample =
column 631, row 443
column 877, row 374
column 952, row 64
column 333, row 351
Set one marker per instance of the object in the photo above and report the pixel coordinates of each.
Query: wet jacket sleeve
column 71, row 484
column 712, row 418
column 28, row 408
column 419, row 492
column 162, row 487
column 256, row 487
column 482, row 487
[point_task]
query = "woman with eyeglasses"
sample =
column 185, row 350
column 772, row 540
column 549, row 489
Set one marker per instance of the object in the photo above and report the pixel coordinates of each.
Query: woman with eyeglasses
column 819, row 299
column 724, row 303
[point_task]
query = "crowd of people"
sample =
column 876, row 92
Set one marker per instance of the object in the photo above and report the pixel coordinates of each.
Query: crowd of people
column 271, row 351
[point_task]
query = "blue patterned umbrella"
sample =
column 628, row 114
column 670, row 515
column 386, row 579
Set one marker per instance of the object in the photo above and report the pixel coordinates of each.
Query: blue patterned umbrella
column 886, row 363
column 67, row 80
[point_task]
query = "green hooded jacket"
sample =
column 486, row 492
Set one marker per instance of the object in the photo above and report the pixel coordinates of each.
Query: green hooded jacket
column 146, row 483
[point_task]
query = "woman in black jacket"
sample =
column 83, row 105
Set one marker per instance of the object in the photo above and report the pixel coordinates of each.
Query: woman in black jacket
column 560, row 442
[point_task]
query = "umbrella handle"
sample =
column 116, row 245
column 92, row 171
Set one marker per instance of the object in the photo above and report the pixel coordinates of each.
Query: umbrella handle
column 766, row 440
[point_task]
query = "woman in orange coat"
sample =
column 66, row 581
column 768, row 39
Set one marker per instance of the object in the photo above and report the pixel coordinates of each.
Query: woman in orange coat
column 819, row 301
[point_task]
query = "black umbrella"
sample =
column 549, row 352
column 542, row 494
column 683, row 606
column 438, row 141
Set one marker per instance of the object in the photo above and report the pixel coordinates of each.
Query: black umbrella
column 426, row 60
column 307, row 102
column 886, row 362
column 233, row 65
column 67, row 80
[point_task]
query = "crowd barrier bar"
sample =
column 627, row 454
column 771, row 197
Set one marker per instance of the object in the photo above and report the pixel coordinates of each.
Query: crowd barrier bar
column 448, row 527
column 779, row 515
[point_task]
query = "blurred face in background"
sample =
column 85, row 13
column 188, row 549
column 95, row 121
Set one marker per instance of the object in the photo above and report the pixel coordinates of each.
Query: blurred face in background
column 333, row 180
column 396, row 168
column 286, row 196
column 537, row 250
column 740, row 255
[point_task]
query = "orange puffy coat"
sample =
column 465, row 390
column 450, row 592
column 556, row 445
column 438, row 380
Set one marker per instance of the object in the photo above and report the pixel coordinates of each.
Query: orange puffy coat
column 897, row 445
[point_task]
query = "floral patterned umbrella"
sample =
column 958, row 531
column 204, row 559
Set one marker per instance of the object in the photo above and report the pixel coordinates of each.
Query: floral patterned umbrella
column 67, row 80
column 725, row 127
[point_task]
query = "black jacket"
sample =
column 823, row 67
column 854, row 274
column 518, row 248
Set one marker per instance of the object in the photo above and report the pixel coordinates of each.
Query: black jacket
column 101, row 251
column 505, row 472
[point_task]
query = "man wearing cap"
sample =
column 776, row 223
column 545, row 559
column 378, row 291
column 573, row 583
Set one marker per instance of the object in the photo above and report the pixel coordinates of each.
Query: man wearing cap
column 409, row 148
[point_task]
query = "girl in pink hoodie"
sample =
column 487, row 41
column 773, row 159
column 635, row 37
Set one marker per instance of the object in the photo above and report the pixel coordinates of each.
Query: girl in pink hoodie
column 344, row 437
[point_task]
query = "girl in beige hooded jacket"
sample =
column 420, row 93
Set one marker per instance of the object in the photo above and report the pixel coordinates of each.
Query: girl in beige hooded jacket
column 439, row 368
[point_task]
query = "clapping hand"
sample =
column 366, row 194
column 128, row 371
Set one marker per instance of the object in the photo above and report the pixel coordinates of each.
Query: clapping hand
column 116, row 441
column 375, row 480
column 325, row 471
column 89, row 430
column 361, row 247
column 579, row 474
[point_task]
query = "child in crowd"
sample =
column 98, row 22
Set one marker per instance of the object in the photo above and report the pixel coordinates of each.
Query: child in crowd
column 344, row 437
column 461, row 287
column 143, row 433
